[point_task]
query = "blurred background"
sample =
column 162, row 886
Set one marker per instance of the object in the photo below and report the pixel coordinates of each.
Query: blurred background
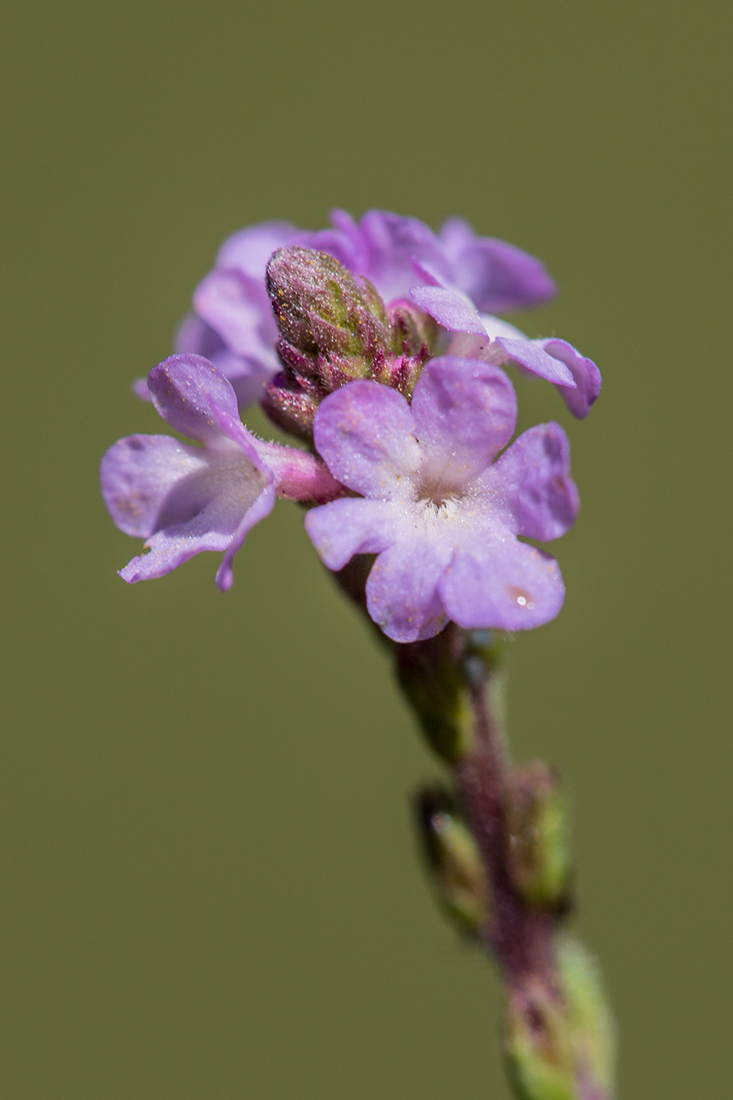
column 209, row 884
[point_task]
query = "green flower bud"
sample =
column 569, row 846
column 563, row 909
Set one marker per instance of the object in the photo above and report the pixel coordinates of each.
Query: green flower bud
column 560, row 1044
column 592, row 1024
column 537, row 833
column 538, row 1044
column 454, row 860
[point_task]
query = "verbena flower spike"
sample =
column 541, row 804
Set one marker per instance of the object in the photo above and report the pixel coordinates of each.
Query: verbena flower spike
column 375, row 344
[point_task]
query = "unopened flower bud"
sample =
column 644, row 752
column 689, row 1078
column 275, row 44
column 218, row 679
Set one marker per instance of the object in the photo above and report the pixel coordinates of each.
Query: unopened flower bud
column 454, row 860
column 560, row 1042
column 593, row 1027
column 539, row 1043
column 538, row 843
column 291, row 403
column 331, row 321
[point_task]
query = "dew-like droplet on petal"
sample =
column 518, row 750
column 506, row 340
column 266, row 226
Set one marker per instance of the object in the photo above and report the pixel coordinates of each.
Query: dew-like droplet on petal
column 522, row 597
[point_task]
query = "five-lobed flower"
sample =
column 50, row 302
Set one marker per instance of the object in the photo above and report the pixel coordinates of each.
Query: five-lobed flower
column 184, row 499
column 440, row 511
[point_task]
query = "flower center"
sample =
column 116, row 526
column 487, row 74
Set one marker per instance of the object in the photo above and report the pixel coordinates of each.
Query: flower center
column 438, row 495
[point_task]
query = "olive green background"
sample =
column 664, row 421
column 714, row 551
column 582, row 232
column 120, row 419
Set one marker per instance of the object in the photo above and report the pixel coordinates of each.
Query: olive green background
column 209, row 887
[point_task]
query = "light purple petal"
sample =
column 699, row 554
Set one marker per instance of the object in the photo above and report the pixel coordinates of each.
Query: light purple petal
column 456, row 236
column 495, row 327
column 586, row 374
column 140, row 389
column 465, row 411
column 364, row 433
column 194, row 337
column 248, row 373
column 189, row 392
column 530, row 355
column 261, row 508
column 218, row 501
column 497, row 276
column 532, row 479
column 249, row 249
column 429, row 274
column 450, row 308
column 392, row 241
column 347, row 527
column 237, row 308
column 501, row 583
column 138, row 475
column 501, row 278
column 402, row 589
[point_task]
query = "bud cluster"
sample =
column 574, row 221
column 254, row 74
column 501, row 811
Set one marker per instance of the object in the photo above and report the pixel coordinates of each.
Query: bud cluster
column 334, row 329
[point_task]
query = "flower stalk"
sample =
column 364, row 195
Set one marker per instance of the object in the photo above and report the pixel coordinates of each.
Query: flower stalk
column 496, row 847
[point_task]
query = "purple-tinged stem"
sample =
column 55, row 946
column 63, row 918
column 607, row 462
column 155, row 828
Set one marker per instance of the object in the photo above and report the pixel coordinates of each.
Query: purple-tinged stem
column 520, row 937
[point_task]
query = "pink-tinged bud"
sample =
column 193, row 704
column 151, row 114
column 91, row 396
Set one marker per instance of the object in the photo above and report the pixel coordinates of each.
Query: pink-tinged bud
column 291, row 403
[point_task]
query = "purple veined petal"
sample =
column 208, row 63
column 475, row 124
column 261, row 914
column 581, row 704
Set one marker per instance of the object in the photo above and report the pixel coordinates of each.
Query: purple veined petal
column 498, row 582
column 347, row 527
column 450, row 308
column 261, row 508
column 249, row 249
column 138, row 475
column 586, row 374
column 236, row 307
column 465, row 411
column 533, row 358
column 532, row 479
column 364, row 434
column 402, row 590
column 189, row 392
column 207, row 513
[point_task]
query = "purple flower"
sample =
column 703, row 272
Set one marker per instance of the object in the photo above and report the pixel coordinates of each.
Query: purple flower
column 481, row 336
column 233, row 323
column 184, row 499
column 440, row 513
